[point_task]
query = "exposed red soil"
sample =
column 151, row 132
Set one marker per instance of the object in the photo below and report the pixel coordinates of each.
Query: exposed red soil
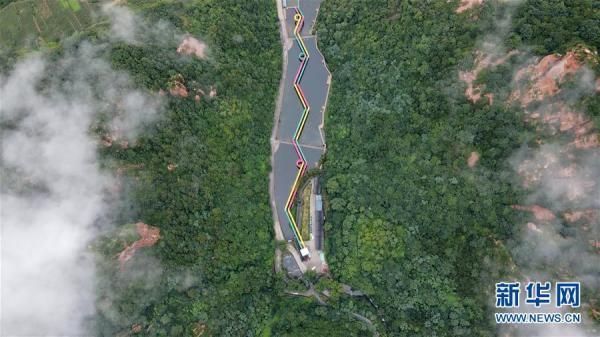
column 533, row 227
column 199, row 94
column 110, row 139
column 149, row 235
column 532, row 171
column 107, row 140
column 557, row 117
column 473, row 159
column 546, row 168
column 473, row 93
column 567, row 172
column 587, row 215
column 587, row 141
column 563, row 119
column 199, row 329
column 178, row 89
column 177, row 86
column 136, row 328
column 544, row 77
column 192, row 46
column 482, row 61
column 586, row 219
column 542, row 80
column 579, row 189
column 539, row 212
column 536, row 83
column 467, row 4
column 213, row 92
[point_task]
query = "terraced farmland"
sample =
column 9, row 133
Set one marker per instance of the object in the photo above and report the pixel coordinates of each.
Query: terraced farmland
column 37, row 23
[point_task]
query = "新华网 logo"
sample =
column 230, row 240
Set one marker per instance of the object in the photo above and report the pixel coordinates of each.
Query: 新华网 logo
column 537, row 295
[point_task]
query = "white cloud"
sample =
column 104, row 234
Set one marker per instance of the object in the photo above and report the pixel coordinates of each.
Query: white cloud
column 53, row 192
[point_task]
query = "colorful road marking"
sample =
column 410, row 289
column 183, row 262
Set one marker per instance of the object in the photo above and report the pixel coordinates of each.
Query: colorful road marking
column 303, row 57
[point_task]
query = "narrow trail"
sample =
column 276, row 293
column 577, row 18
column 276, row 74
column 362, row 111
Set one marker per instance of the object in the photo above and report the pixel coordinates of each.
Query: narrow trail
column 311, row 292
column 367, row 322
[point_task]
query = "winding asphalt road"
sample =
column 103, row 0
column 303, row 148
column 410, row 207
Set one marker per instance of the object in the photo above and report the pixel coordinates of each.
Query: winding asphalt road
column 315, row 84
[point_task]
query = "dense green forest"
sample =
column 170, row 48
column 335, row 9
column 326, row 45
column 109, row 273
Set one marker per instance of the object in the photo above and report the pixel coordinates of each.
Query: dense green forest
column 216, row 249
column 211, row 272
column 409, row 222
column 550, row 26
column 213, row 209
column 217, row 244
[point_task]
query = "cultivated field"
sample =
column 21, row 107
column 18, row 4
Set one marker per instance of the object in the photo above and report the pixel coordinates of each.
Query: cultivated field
column 36, row 23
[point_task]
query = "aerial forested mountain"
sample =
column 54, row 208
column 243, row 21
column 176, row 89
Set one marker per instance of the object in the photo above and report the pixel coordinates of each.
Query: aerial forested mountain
column 462, row 149
column 420, row 173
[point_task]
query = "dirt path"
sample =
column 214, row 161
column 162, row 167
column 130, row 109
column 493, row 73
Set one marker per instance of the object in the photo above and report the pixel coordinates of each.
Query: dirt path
column 367, row 322
column 277, row 260
column 308, row 293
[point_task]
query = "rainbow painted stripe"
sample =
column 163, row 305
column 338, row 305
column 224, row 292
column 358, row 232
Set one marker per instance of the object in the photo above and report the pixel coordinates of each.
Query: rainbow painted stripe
column 301, row 162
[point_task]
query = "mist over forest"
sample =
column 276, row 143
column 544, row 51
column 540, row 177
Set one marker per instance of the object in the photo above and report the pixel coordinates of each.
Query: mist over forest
column 463, row 149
